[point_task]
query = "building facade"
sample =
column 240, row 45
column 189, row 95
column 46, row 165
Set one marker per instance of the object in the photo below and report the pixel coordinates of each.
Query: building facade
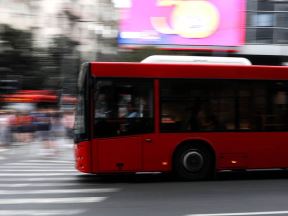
column 266, row 28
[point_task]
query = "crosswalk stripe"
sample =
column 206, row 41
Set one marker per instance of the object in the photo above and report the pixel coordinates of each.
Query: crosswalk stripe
column 49, row 161
column 67, row 200
column 21, row 185
column 37, row 170
column 35, row 166
column 39, row 164
column 60, row 191
column 41, row 212
column 38, row 174
column 35, row 179
column 3, row 149
column 41, row 178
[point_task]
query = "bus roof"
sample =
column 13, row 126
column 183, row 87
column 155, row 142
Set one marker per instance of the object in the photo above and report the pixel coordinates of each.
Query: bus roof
column 196, row 60
column 176, row 70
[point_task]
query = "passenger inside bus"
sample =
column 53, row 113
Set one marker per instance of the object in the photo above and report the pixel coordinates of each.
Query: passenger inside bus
column 202, row 118
column 132, row 111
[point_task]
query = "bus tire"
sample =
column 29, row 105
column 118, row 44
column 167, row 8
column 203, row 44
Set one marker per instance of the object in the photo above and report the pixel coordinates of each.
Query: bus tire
column 193, row 162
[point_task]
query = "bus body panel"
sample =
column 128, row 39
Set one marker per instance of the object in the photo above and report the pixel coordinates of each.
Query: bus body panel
column 155, row 157
column 82, row 154
column 234, row 150
column 126, row 154
column 118, row 154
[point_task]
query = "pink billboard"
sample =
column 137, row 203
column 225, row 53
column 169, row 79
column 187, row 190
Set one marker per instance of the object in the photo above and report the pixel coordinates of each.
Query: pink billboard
column 183, row 22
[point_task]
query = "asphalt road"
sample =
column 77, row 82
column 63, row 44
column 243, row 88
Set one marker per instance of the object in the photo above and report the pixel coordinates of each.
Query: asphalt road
column 35, row 184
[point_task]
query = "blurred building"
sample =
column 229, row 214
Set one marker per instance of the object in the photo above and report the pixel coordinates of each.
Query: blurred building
column 64, row 33
column 88, row 22
column 266, row 28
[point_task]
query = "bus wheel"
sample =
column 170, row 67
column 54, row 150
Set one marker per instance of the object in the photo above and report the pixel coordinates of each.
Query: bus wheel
column 193, row 163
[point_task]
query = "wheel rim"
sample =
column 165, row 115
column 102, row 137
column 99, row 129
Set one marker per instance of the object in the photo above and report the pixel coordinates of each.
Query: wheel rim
column 193, row 161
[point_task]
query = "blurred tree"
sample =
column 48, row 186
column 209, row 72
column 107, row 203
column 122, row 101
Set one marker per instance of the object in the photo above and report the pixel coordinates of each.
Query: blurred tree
column 16, row 55
column 64, row 61
column 38, row 68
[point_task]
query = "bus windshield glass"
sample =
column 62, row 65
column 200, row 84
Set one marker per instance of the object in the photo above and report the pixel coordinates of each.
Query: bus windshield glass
column 81, row 120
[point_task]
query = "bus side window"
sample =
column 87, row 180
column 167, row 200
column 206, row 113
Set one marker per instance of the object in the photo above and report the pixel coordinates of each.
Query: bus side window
column 197, row 105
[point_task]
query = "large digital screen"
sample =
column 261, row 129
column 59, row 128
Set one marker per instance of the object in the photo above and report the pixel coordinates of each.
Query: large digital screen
column 182, row 22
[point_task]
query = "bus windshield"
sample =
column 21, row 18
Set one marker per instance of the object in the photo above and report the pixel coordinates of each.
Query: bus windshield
column 81, row 120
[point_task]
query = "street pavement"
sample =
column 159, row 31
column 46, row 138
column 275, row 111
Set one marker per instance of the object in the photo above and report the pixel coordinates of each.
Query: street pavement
column 34, row 183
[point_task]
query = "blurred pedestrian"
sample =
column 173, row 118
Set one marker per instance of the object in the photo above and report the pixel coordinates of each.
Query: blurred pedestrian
column 43, row 127
column 57, row 132
column 5, row 135
column 68, row 123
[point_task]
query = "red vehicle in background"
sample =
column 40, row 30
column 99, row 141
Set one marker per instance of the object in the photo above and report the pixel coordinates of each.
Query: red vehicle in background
column 190, row 119
column 31, row 96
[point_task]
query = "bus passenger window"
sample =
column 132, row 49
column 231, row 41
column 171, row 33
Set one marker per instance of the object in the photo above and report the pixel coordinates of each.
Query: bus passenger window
column 123, row 107
column 197, row 105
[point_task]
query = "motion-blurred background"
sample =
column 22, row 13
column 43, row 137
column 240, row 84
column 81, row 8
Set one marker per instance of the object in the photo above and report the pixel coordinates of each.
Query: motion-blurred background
column 44, row 42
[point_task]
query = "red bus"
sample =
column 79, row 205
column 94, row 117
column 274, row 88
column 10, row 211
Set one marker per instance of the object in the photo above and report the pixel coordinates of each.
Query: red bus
column 190, row 119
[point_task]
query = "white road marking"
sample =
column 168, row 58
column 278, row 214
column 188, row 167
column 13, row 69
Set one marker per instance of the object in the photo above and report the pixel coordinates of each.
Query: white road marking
column 242, row 213
column 37, row 164
column 19, row 185
column 37, row 170
column 50, row 161
column 14, row 185
column 52, row 200
column 60, row 191
column 35, row 179
column 37, row 174
column 40, row 212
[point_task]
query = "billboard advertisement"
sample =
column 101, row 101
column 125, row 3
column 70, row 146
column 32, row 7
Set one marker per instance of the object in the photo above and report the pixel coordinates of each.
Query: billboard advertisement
column 183, row 22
